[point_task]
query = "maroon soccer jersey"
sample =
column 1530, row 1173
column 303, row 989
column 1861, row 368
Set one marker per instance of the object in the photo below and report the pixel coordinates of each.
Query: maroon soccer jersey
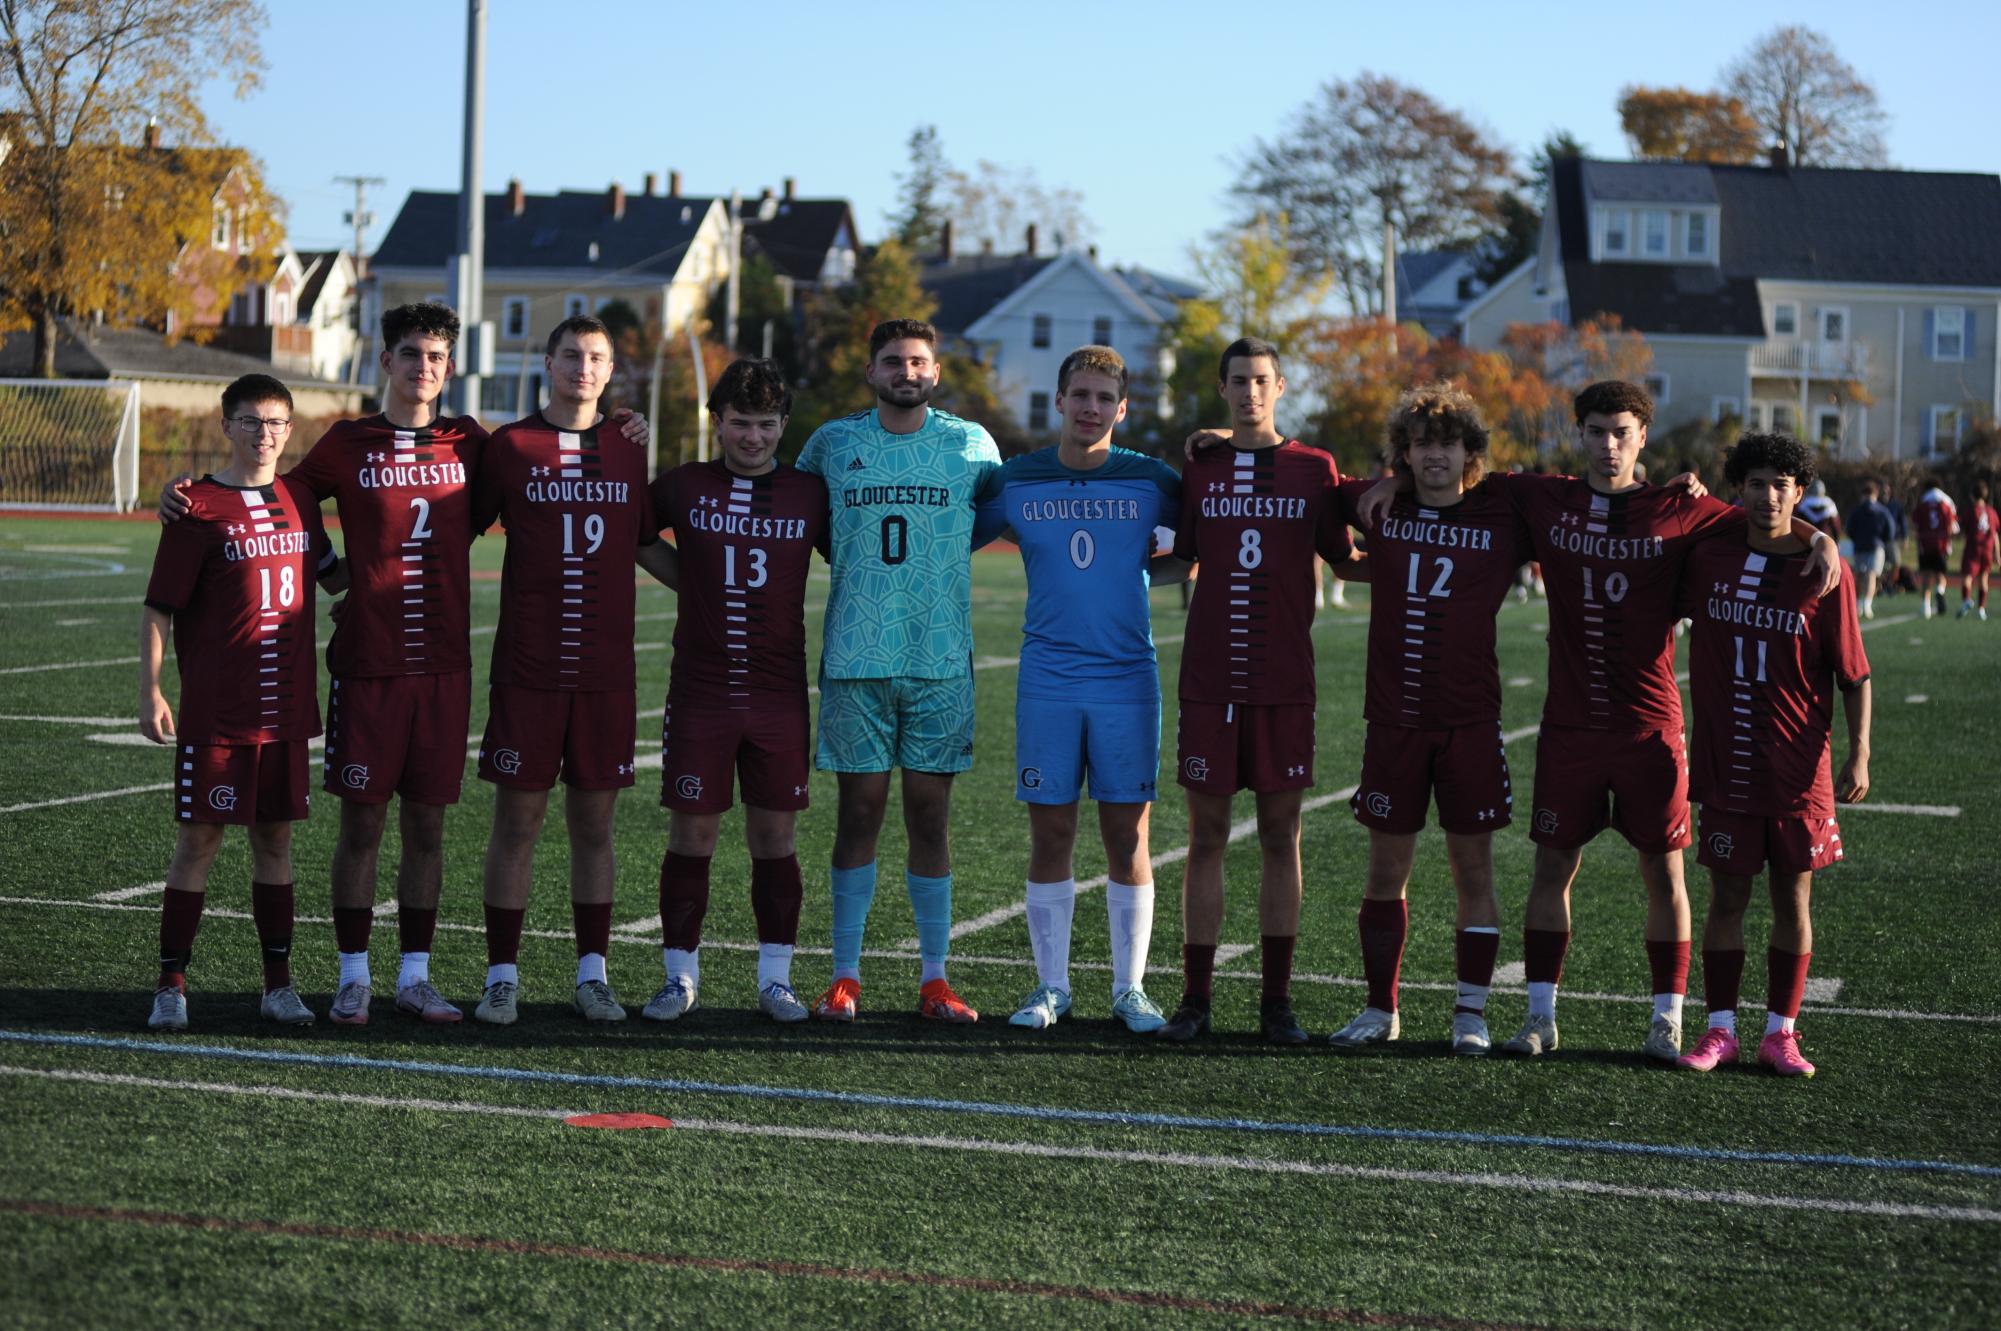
column 405, row 505
column 576, row 506
column 745, row 545
column 1768, row 654
column 236, row 574
column 1439, row 575
column 1611, row 564
column 1933, row 521
column 1253, row 518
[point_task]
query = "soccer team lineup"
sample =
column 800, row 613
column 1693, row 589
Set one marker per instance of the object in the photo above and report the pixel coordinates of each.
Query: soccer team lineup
column 893, row 502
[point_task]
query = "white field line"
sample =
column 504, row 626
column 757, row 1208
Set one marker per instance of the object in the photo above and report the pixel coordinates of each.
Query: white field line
column 1228, row 952
column 1173, row 1160
column 630, row 933
column 68, row 665
column 75, row 720
column 131, row 893
column 85, row 799
column 72, row 600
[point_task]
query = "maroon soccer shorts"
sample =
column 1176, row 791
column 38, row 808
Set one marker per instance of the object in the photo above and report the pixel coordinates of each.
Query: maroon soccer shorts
column 767, row 747
column 1224, row 747
column 1969, row 567
column 1402, row 768
column 398, row 735
column 242, row 784
column 1744, row 843
column 1586, row 780
column 535, row 735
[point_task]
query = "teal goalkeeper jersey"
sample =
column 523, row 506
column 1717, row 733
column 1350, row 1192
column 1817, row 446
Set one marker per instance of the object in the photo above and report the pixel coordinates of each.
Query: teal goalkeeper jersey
column 1086, row 537
column 902, row 529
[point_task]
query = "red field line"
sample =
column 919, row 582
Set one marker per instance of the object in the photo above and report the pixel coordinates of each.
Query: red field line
column 860, row 1275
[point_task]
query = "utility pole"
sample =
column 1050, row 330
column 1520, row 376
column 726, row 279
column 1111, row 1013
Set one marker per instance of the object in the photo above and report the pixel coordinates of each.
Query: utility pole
column 468, row 275
column 360, row 219
column 731, row 306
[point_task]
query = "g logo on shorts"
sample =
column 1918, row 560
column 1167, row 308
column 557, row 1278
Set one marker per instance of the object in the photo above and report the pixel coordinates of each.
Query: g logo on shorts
column 1545, row 821
column 1031, row 778
column 688, row 787
column 1721, row 845
column 222, row 798
column 354, row 776
column 1379, row 804
column 508, row 761
column 1196, row 768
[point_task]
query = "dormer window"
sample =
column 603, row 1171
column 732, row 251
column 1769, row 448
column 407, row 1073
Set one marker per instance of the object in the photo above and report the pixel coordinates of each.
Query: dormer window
column 219, row 227
column 1696, row 238
column 1615, row 232
column 1654, row 234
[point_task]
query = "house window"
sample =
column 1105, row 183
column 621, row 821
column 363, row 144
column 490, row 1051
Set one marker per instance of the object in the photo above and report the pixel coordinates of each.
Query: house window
column 1827, row 425
column 1785, row 319
column 1615, row 232
column 1754, row 416
column 1038, row 409
column 1039, row 336
column 1943, row 437
column 1723, row 409
column 574, row 305
column 1657, row 388
column 1834, row 323
column 514, row 317
column 219, row 227
column 1101, row 330
column 1949, row 333
column 496, row 395
column 1654, row 234
column 1782, row 417
column 1695, row 239
column 281, row 307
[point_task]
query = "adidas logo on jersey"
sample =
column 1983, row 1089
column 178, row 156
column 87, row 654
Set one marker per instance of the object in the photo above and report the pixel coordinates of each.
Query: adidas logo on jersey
column 856, row 464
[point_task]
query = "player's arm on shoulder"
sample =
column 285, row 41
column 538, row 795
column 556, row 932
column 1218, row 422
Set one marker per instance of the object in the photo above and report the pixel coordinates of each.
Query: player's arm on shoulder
column 1202, row 439
column 632, row 425
column 174, row 498
column 1823, row 557
column 1369, row 509
column 1852, row 783
column 663, row 561
column 156, row 716
column 1687, row 481
column 1355, row 568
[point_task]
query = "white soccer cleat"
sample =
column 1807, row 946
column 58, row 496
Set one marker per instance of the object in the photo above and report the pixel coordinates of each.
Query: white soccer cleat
column 498, row 1005
column 284, row 1007
column 1663, row 1040
column 778, row 1002
column 1536, row 1038
column 1042, row 1009
column 425, row 1003
column 1469, row 1034
column 596, row 1002
column 1374, row 1026
column 350, row 1005
column 170, row 1010
column 1141, row 1014
column 675, row 1000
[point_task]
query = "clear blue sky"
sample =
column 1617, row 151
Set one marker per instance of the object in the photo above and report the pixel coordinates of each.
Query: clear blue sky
column 1142, row 108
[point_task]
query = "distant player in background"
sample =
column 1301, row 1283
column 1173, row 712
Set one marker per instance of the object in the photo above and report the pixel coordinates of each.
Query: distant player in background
column 745, row 528
column 1871, row 532
column 1443, row 559
column 1816, row 507
column 1769, row 655
column 1980, row 553
column 1084, row 514
column 896, row 681
column 233, row 582
column 571, row 492
column 1936, row 522
column 1253, row 514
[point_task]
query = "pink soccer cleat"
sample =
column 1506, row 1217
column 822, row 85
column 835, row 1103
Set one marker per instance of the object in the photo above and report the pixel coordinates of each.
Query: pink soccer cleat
column 1780, row 1051
column 1717, row 1045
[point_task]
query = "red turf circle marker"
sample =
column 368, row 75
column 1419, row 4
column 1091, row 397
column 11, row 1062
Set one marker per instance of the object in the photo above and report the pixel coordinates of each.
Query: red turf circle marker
column 618, row 1122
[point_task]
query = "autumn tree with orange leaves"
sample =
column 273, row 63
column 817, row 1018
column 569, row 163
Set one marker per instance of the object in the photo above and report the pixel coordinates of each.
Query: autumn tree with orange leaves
column 1682, row 125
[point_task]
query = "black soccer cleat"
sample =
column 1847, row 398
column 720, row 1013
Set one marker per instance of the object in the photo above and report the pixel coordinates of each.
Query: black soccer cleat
column 1281, row 1027
column 1189, row 1020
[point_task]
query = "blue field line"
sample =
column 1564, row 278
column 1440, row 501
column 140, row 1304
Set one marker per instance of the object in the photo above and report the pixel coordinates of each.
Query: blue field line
column 1038, row 1113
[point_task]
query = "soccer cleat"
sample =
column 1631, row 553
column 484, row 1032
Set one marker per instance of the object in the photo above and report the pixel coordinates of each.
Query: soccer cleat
column 596, row 1002
column 350, row 1005
column 497, row 1006
column 1469, row 1034
column 777, row 1001
column 1780, row 1051
column 1982, row 613
column 1280, row 1026
column 1663, row 1043
column 1141, row 1014
column 170, row 1009
column 838, row 1003
column 1536, row 1038
column 1717, row 1045
column 283, row 1006
column 1187, row 1022
column 1374, row 1026
column 676, row 999
column 937, row 1002
column 1043, row 1008
column 426, row 1004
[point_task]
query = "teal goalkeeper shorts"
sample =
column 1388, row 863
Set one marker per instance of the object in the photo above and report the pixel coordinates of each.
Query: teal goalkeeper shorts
column 874, row 725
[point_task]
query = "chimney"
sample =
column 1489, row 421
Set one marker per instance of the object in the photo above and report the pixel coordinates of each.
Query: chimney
column 1031, row 240
column 1092, row 250
column 945, row 240
column 652, row 184
column 767, row 205
column 152, row 131
column 517, row 199
column 791, row 189
column 1781, row 158
column 615, row 200
column 673, row 184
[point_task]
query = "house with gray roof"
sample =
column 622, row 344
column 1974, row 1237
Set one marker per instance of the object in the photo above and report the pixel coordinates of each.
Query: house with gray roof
column 1854, row 308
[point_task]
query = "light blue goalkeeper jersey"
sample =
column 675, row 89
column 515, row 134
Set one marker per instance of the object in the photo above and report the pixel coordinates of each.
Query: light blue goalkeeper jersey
column 902, row 527
column 1086, row 537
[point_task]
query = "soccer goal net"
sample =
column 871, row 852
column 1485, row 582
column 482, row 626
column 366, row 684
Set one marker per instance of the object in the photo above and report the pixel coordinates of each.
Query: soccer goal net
column 71, row 443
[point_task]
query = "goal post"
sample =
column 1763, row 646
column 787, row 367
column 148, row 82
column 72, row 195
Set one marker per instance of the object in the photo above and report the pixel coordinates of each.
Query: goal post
column 69, row 444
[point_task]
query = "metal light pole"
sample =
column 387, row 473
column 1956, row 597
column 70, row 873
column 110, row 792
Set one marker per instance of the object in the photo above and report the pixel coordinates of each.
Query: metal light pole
column 468, row 271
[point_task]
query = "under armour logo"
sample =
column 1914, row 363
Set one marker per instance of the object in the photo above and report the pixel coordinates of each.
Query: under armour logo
column 375, row 457
column 538, row 471
column 709, row 501
column 236, row 529
column 1571, row 519
column 1721, row 588
column 625, row 769
column 798, row 790
column 1295, row 771
column 1485, row 815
